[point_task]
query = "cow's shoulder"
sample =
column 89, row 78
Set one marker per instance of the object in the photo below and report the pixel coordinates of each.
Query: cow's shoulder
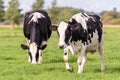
column 78, row 32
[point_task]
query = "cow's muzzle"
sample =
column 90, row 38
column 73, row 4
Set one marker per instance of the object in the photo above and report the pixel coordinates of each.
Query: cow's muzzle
column 61, row 46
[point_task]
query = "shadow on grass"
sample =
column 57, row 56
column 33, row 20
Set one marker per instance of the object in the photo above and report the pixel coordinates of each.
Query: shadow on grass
column 112, row 69
column 7, row 58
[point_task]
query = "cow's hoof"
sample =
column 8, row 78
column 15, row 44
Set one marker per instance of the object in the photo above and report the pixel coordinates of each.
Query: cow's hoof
column 80, row 71
column 29, row 60
column 70, row 69
column 33, row 63
column 39, row 62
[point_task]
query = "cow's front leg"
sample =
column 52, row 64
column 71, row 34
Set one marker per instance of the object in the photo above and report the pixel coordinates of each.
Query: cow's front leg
column 40, row 57
column 65, row 57
column 28, row 43
column 82, row 60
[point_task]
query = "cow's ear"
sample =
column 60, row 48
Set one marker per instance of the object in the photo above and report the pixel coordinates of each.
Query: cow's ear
column 25, row 47
column 54, row 27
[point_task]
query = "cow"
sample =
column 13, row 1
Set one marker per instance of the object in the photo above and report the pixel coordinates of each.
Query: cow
column 37, row 30
column 82, row 33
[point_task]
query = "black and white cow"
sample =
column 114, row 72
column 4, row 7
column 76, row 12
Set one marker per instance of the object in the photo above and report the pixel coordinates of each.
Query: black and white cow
column 37, row 30
column 82, row 33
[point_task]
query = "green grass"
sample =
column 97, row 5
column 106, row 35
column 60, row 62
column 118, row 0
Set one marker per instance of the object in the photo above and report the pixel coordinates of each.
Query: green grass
column 14, row 65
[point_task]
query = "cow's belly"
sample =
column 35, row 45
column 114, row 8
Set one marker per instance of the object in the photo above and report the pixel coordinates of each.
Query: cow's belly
column 93, row 47
column 76, row 47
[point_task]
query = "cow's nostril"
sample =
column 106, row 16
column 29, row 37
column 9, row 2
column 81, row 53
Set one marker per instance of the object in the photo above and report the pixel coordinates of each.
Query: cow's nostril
column 61, row 46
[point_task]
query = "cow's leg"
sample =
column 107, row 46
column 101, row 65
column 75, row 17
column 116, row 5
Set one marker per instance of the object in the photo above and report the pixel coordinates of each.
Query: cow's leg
column 40, row 57
column 65, row 57
column 28, row 42
column 101, row 51
column 82, row 59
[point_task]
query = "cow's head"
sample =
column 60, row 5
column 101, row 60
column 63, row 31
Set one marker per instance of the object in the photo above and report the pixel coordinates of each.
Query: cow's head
column 33, row 51
column 64, row 32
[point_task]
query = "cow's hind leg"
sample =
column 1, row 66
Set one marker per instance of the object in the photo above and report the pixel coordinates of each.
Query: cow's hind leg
column 40, row 57
column 101, row 51
column 65, row 57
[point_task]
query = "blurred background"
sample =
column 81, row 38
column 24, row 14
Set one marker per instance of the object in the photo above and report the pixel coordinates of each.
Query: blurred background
column 12, row 11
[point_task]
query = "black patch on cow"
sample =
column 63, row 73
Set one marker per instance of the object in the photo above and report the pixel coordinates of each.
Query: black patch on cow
column 37, row 55
column 83, row 15
column 65, row 53
column 78, row 33
column 72, row 22
column 75, row 32
column 94, row 24
column 25, row 47
column 68, row 34
column 43, row 47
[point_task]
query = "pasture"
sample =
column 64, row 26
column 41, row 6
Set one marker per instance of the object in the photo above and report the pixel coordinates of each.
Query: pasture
column 14, row 64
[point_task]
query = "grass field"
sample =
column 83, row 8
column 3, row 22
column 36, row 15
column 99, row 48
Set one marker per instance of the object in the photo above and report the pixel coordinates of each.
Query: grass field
column 14, row 65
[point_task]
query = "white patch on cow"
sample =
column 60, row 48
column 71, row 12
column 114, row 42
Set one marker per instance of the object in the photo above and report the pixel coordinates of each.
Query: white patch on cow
column 71, row 49
column 61, row 29
column 65, row 55
column 35, row 17
column 80, row 18
column 33, row 51
column 93, row 46
column 82, row 59
column 75, row 47
column 68, row 67
column 81, row 67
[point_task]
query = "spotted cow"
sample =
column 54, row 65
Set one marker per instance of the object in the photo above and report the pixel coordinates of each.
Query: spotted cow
column 37, row 30
column 82, row 33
